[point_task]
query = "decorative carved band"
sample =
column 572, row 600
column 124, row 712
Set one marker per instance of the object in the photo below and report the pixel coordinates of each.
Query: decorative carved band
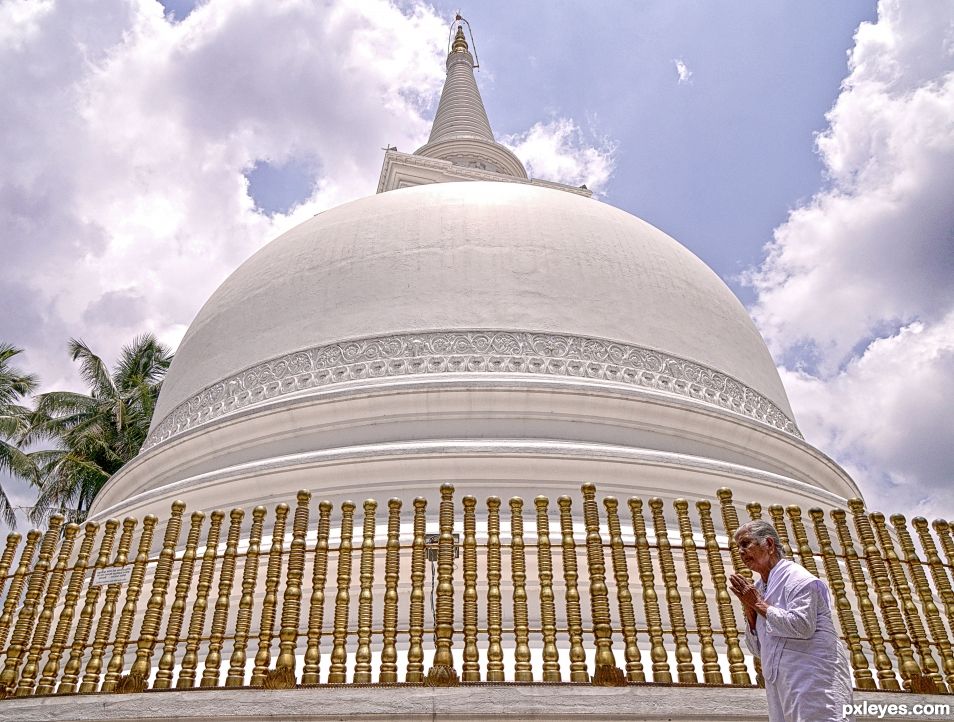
column 510, row 352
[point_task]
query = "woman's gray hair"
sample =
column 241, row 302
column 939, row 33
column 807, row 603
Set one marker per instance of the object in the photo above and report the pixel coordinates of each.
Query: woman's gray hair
column 760, row 531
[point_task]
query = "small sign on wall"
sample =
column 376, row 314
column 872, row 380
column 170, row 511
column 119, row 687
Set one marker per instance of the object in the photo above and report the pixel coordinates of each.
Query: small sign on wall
column 111, row 575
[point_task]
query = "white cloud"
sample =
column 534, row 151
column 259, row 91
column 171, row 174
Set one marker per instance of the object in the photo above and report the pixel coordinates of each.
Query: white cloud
column 857, row 291
column 682, row 71
column 559, row 151
column 887, row 415
column 124, row 140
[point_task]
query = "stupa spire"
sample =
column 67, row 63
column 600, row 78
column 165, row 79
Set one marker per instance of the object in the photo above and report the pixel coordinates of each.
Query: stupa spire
column 460, row 113
column 461, row 131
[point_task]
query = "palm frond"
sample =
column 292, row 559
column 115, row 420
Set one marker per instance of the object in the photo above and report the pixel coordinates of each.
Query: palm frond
column 14, row 422
column 144, row 361
column 93, row 434
column 16, row 462
column 7, row 512
column 92, row 368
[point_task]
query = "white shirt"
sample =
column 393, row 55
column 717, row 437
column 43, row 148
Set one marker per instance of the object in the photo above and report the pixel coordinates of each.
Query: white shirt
column 805, row 666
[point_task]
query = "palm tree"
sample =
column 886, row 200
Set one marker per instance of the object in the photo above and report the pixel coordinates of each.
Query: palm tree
column 14, row 385
column 95, row 433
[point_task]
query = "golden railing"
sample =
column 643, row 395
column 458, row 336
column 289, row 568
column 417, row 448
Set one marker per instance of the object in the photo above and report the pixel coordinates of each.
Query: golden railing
column 609, row 601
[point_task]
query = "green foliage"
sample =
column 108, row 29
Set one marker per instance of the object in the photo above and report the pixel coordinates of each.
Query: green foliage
column 14, row 386
column 96, row 433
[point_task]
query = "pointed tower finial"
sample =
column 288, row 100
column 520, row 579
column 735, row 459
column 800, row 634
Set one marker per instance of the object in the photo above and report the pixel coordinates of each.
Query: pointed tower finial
column 461, row 146
column 460, row 42
column 461, row 131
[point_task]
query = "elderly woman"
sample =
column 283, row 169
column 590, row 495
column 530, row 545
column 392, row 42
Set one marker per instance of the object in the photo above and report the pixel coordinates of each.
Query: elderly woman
column 789, row 626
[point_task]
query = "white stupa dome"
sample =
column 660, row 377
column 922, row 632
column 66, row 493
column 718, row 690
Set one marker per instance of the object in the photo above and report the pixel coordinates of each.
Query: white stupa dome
column 496, row 257
column 470, row 324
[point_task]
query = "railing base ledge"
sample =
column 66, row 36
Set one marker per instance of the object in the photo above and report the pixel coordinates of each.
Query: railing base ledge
column 471, row 702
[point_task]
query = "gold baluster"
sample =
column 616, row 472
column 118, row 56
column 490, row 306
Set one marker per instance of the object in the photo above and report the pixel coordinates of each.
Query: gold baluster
column 700, row 607
column 863, row 678
column 138, row 675
column 362, row 658
column 45, row 620
column 551, row 657
column 471, row 669
column 938, row 573
column 415, row 651
column 104, row 625
column 754, row 509
column 392, row 568
column 190, row 659
column 910, row 672
column 657, row 650
column 730, row 520
column 213, row 660
column 339, row 652
column 15, row 592
column 778, row 521
column 943, row 530
column 684, row 668
column 737, row 671
column 607, row 673
column 935, row 624
column 661, row 671
column 117, row 661
column 906, row 602
column 167, row 661
column 65, row 621
column 869, row 618
column 801, row 539
column 6, row 559
column 243, row 619
column 574, row 615
column 273, row 576
column 23, row 628
column 442, row 673
column 316, row 614
column 85, row 623
column 521, row 616
column 624, row 598
column 283, row 676
column 495, row 668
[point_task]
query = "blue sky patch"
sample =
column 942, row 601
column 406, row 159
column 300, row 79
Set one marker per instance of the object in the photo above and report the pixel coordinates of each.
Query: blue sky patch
column 279, row 188
column 179, row 9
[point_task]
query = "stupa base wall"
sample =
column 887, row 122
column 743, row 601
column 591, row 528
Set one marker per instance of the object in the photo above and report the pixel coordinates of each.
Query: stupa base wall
column 501, row 434
column 501, row 467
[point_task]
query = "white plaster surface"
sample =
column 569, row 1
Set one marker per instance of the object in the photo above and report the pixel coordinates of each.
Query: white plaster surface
column 388, row 436
column 653, row 703
column 501, row 468
column 470, row 256
column 461, row 132
column 461, row 110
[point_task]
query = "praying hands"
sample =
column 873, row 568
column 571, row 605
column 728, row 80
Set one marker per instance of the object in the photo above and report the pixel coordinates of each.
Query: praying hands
column 752, row 601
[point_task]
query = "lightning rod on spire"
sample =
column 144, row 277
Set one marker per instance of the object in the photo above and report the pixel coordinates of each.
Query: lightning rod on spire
column 456, row 41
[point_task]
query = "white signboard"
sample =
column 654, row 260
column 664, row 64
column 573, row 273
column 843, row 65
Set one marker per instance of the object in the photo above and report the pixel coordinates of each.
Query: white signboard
column 112, row 575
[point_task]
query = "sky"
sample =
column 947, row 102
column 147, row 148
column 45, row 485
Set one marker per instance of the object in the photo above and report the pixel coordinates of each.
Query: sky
column 804, row 150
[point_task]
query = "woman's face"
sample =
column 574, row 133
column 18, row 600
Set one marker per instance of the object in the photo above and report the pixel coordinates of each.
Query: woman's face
column 757, row 558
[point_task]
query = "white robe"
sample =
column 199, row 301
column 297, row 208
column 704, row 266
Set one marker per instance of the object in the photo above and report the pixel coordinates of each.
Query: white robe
column 805, row 665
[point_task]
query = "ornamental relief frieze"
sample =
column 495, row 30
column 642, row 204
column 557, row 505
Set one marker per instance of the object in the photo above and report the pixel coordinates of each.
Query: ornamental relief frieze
column 510, row 352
